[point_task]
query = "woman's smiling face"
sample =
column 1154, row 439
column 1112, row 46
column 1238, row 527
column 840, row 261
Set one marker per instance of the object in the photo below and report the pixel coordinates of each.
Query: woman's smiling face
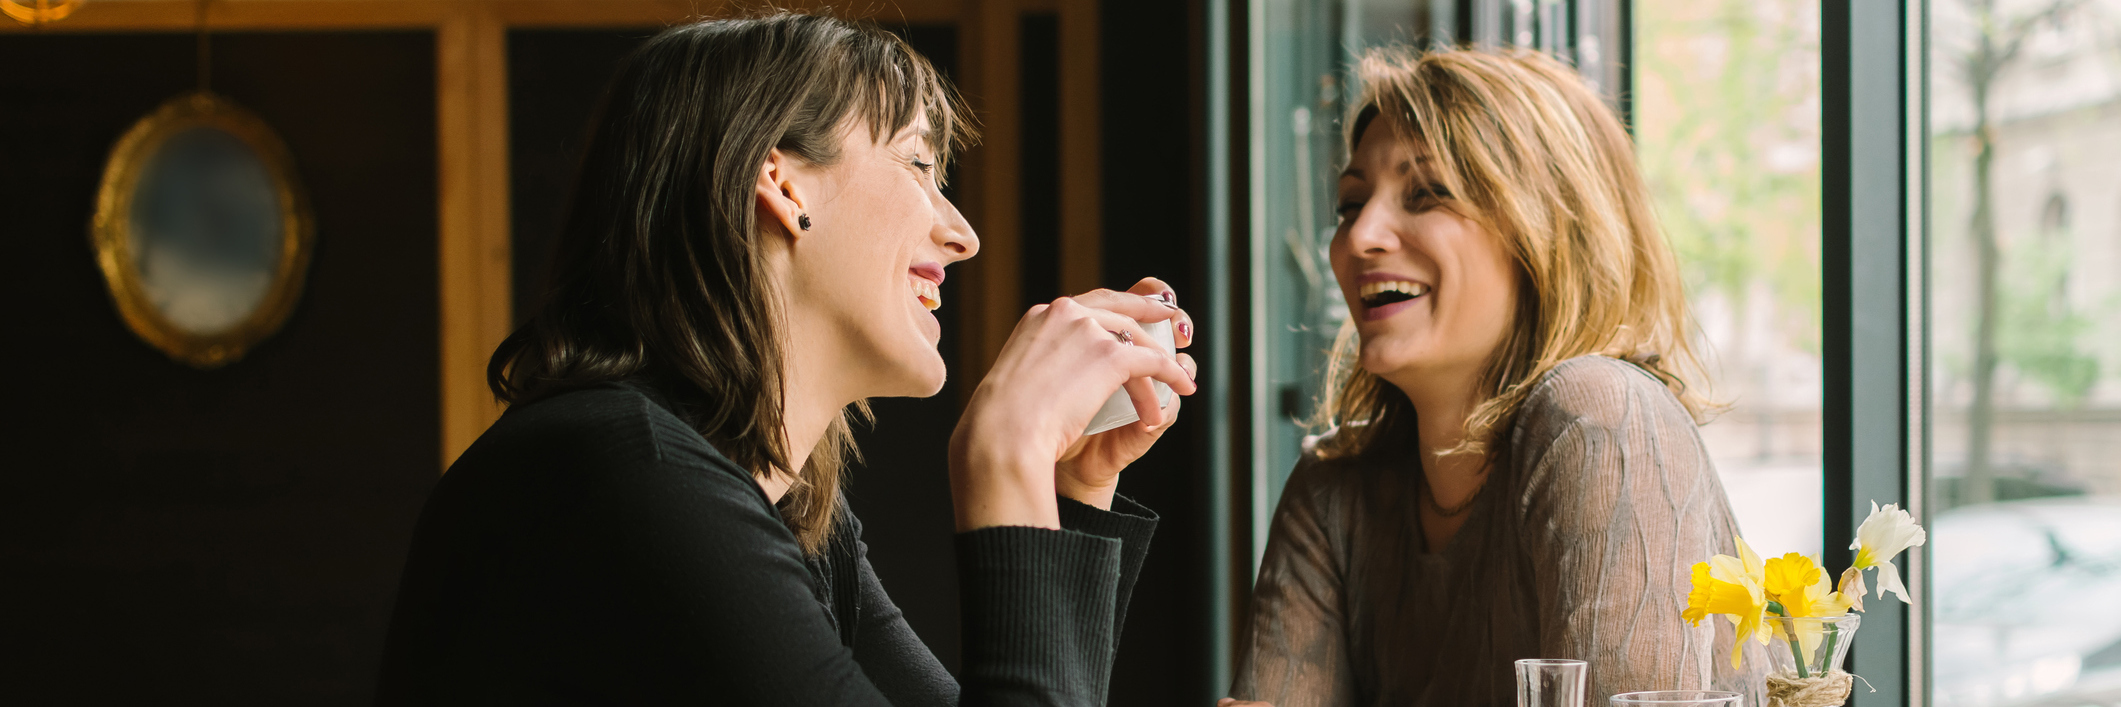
column 872, row 263
column 1431, row 291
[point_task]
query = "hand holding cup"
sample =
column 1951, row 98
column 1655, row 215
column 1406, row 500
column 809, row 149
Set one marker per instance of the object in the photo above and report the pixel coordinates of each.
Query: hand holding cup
column 1059, row 368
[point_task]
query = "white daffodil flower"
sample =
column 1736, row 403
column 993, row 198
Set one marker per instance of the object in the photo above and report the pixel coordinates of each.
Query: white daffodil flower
column 1885, row 534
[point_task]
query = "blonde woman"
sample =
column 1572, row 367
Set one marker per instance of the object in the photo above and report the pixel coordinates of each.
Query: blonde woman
column 1513, row 469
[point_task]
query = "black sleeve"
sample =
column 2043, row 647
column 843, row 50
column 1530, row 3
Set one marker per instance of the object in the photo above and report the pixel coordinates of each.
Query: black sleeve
column 1132, row 524
column 889, row 651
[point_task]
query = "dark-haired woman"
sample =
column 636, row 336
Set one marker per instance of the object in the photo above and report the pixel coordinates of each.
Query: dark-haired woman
column 754, row 249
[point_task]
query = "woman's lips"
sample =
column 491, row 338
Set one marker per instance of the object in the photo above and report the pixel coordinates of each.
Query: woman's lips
column 926, row 279
column 1403, row 290
column 1371, row 314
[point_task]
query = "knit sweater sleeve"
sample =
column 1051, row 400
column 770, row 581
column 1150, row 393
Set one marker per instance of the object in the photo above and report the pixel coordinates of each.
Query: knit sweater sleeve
column 897, row 661
column 1132, row 524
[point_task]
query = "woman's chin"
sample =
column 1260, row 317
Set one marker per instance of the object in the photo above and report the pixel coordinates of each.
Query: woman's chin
column 1389, row 356
column 918, row 377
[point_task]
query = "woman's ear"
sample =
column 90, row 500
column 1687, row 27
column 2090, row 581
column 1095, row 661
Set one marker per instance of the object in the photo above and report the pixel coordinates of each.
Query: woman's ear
column 780, row 200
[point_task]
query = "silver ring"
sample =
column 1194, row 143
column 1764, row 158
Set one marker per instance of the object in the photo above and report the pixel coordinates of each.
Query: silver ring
column 1124, row 337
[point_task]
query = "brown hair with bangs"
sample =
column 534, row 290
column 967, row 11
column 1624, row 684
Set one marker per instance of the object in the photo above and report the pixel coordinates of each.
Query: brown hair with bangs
column 660, row 273
column 1546, row 166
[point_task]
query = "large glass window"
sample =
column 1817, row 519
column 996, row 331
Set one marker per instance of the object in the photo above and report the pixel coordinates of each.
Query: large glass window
column 2025, row 351
column 1727, row 127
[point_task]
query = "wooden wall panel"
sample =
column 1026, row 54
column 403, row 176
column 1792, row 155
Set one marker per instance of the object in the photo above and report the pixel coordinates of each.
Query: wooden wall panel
column 1081, row 177
column 472, row 107
column 991, row 189
column 234, row 536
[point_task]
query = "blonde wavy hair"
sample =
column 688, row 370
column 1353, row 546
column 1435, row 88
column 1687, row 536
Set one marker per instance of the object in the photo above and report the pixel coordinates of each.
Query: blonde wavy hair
column 1540, row 161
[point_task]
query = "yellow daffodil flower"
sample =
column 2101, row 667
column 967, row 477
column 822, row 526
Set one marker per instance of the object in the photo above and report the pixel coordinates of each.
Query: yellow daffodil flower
column 1885, row 534
column 1798, row 584
column 1731, row 586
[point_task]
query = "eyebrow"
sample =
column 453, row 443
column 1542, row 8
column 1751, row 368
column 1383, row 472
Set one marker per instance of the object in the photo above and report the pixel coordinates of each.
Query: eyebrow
column 1404, row 167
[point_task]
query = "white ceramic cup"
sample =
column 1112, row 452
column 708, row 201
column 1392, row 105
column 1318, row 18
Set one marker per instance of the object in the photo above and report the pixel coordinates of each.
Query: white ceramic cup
column 1119, row 409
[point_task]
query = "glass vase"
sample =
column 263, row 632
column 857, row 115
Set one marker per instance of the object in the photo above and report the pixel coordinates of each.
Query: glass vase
column 1678, row 698
column 1544, row 682
column 1806, row 655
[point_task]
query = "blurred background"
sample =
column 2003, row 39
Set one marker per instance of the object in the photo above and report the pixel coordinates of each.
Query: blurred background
column 233, row 533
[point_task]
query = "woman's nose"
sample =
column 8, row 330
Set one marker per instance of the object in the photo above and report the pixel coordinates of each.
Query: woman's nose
column 1371, row 233
column 952, row 233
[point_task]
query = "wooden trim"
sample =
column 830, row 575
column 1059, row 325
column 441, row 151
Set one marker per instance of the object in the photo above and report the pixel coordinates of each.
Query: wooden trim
column 1081, row 202
column 990, row 44
column 182, row 15
column 472, row 107
column 641, row 13
column 601, row 13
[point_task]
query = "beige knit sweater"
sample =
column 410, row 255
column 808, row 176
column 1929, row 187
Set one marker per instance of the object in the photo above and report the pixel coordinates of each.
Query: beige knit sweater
column 1580, row 546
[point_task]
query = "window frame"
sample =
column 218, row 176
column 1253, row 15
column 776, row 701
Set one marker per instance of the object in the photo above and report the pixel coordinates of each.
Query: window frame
column 1874, row 243
column 1874, row 255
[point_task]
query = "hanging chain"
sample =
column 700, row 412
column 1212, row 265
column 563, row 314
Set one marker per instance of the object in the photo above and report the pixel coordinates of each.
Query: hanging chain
column 206, row 64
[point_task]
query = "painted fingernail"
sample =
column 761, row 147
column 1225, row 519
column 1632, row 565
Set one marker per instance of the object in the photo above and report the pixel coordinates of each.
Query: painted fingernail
column 1185, row 331
column 1170, row 299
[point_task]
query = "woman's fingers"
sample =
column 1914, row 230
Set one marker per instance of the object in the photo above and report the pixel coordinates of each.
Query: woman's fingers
column 1146, row 406
column 1152, row 287
column 1142, row 307
column 1150, row 362
column 1138, row 355
column 1153, row 413
column 1116, row 323
column 1159, row 291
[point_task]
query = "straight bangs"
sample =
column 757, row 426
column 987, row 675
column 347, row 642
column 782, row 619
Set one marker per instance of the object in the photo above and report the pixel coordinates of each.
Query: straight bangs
column 893, row 85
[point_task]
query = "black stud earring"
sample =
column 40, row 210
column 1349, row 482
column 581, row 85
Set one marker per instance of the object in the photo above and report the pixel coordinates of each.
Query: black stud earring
column 803, row 220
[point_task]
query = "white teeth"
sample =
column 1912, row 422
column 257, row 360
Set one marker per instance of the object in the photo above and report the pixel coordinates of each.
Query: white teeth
column 930, row 295
column 1412, row 289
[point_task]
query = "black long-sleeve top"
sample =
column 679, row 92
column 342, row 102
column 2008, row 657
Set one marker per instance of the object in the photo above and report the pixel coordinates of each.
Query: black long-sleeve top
column 591, row 548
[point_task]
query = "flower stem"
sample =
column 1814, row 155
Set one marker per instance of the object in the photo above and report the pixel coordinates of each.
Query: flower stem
column 1802, row 671
column 1833, row 635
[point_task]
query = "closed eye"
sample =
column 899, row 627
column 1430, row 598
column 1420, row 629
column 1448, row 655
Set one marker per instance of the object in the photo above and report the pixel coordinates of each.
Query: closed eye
column 1425, row 197
column 1348, row 209
column 926, row 167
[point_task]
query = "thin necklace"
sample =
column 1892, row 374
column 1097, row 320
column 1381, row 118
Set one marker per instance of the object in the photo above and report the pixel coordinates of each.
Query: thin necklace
column 1428, row 496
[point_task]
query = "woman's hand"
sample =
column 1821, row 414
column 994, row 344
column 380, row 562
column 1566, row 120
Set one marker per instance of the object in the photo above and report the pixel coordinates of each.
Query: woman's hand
column 1061, row 363
column 1089, row 470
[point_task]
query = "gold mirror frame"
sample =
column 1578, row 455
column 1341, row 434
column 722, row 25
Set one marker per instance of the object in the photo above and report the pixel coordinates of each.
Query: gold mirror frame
column 112, row 234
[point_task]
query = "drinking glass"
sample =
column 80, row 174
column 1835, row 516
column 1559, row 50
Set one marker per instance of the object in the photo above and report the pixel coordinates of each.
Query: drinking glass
column 1677, row 698
column 1543, row 682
